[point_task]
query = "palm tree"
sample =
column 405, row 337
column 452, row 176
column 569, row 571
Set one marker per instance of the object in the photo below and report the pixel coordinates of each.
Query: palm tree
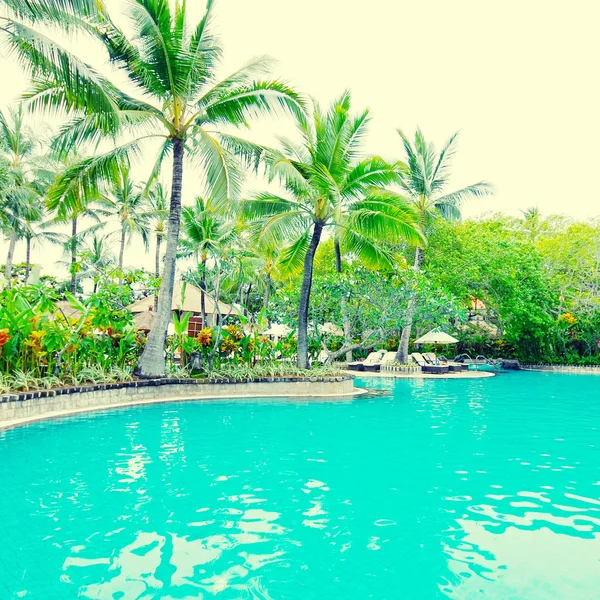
column 327, row 187
column 34, row 232
column 172, row 67
column 262, row 261
column 159, row 203
column 21, row 195
column 424, row 183
column 206, row 234
column 128, row 203
column 532, row 222
column 77, row 203
column 96, row 256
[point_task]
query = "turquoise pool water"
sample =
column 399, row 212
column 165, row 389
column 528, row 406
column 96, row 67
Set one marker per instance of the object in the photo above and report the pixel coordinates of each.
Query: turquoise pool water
column 424, row 489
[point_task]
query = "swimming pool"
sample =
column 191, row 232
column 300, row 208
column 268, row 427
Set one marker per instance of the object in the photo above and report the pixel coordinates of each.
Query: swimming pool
column 421, row 489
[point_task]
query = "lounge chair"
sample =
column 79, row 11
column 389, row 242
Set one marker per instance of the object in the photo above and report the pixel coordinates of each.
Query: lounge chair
column 389, row 358
column 372, row 363
column 455, row 367
column 427, row 367
column 357, row 365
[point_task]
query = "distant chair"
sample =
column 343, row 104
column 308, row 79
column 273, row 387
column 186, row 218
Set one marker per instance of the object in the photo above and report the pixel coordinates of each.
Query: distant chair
column 372, row 363
column 427, row 367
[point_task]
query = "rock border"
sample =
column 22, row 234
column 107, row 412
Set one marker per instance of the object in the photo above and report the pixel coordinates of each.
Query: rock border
column 583, row 369
column 141, row 383
column 26, row 407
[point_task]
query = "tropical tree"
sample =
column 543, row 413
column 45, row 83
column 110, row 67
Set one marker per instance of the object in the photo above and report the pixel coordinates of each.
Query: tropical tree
column 159, row 203
column 128, row 204
column 22, row 191
column 206, row 234
column 72, row 206
column 96, row 257
column 328, row 188
column 172, row 66
column 35, row 223
column 424, row 183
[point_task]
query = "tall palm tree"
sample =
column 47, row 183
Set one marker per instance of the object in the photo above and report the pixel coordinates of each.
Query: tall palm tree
column 78, row 203
column 34, row 232
column 206, row 234
column 327, row 187
column 128, row 203
column 424, row 184
column 97, row 258
column 170, row 65
column 21, row 195
column 159, row 203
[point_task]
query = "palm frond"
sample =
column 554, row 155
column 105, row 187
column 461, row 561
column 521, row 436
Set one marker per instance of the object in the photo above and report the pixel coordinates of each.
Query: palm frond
column 56, row 12
column 370, row 172
column 372, row 254
column 266, row 205
column 455, row 199
column 234, row 106
column 385, row 215
column 85, row 178
column 291, row 258
column 221, row 172
column 61, row 79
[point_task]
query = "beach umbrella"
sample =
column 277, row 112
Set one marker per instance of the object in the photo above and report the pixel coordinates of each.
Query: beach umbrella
column 436, row 336
column 332, row 329
column 277, row 330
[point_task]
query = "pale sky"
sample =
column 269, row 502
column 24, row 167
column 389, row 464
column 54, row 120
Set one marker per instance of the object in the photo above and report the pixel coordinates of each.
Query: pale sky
column 517, row 78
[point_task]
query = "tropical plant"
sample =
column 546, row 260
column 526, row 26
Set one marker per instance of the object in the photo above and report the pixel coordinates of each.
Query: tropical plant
column 22, row 190
column 173, row 67
column 206, row 234
column 77, row 204
column 95, row 258
column 424, row 183
column 159, row 202
column 329, row 188
column 128, row 204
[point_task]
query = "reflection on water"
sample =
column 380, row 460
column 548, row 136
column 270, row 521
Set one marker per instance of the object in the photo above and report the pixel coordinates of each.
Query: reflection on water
column 431, row 489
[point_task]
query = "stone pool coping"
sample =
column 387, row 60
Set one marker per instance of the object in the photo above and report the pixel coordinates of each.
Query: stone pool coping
column 396, row 375
column 578, row 369
column 29, row 407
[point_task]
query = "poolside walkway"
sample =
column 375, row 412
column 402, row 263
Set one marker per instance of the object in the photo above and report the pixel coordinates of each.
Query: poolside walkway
column 461, row 375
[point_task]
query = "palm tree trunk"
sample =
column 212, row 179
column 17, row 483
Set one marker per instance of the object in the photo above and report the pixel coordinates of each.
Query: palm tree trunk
column 121, row 256
column 9, row 259
column 345, row 319
column 402, row 354
column 202, row 295
column 73, row 255
column 248, row 291
column 267, row 295
column 27, row 258
column 157, row 266
column 152, row 361
column 304, row 303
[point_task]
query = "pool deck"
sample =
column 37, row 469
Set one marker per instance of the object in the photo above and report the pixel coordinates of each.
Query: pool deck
column 461, row 375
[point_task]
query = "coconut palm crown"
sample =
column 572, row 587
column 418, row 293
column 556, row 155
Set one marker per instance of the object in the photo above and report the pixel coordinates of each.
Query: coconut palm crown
column 174, row 98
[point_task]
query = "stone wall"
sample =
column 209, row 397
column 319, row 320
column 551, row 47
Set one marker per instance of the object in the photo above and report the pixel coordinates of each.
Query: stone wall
column 34, row 405
column 584, row 370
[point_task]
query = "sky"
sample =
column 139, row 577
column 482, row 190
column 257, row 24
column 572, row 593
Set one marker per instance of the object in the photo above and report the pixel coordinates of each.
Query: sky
column 517, row 79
